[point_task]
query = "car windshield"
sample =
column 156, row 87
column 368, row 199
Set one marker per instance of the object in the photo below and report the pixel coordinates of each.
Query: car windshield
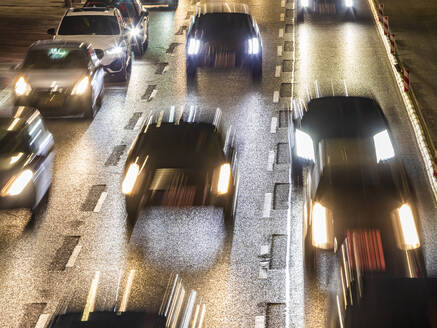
column 11, row 141
column 222, row 25
column 89, row 25
column 55, row 58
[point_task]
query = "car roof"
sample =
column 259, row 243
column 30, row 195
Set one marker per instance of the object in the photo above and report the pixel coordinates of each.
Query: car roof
column 343, row 117
column 203, row 8
column 61, row 44
column 94, row 11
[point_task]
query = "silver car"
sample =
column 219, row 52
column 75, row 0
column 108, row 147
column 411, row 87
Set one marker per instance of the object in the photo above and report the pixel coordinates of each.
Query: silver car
column 60, row 79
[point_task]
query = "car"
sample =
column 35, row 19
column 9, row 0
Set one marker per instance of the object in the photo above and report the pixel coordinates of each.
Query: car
column 324, row 7
column 104, row 29
column 177, row 161
column 170, row 4
column 26, row 156
column 356, row 188
column 136, row 18
column 60, row 78
column 223, row 34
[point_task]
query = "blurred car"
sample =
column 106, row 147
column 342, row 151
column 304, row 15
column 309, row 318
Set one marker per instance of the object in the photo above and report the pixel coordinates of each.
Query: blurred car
column 223, row 34
column 104, row 29
column 356, row 187
column 170, row 4
column 324, row 7
column 136, row 18
column 177, row 162
column 180, row 307
column 60, row 78
column 26, row 158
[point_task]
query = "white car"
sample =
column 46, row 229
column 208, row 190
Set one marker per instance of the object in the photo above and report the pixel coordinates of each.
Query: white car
column 104, row 29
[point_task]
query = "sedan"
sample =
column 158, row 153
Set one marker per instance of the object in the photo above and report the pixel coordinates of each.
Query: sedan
column 61, row 78
column 26, row 157
column 178, row 162
column 357, row 192
column 324, row 7
column 223, row 34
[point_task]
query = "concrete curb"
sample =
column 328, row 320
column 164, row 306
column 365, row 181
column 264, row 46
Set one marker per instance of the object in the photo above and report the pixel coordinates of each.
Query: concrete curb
column 421, row 132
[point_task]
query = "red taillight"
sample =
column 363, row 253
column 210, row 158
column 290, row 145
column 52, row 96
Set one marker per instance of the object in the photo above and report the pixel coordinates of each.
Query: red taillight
column 365, row 250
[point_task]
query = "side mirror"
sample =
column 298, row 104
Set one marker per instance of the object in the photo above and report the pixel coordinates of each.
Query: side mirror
column 51, row 31
column 99, row 53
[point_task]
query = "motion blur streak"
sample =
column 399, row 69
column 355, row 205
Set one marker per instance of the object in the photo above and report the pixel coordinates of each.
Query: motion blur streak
column 91, row 300
column 127, row 291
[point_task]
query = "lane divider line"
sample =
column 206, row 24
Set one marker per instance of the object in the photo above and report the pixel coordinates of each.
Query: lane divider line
column 271, row 160
column 427, row 157
column 42, row 320
column 274, row 124
column 278, row 71
column 99, row 204
column 283, row 3
column 275, row 96
column 279, row 51
column 73, row 256
column 282, row 17
column 260, row 321
column 268, row 197
column 281, row 33
column 152, row 95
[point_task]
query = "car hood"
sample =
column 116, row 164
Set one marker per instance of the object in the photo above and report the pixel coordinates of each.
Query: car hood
column 53, row 78
column 97, row 41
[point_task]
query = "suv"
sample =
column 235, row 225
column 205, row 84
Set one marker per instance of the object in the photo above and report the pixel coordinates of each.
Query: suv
column 104, row 28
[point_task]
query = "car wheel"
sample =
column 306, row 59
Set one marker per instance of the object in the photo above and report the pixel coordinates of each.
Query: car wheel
column 191, row 70
column 257, row 70
column 133, row 209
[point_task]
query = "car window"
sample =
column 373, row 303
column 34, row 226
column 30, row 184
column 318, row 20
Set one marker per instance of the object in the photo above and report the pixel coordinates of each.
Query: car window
column 89, row 25
column 12, row 141
column 55, row 58
column 222, row 24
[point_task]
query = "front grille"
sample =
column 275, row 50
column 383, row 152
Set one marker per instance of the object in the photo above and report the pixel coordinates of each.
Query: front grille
column 220, row 56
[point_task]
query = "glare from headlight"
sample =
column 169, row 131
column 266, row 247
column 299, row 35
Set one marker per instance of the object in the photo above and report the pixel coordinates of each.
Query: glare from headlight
column 17, row 183
column 253, row 46
column 408, row 228
column 349, row 3
column 304, row 145
column 22, row 88
column 224, row 177
column 321, row 227
column 193, row 46
column 383, row 146
column 304, row 3
column 81, row 87
column 114, row 51
column 134, row 32
column 130, row 178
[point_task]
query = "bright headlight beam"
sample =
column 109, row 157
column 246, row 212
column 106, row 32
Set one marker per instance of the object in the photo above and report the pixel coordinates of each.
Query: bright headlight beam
column 319, row 226
column 253, row 46
column 134, row 32
column 304, row 145
column 349, row 3
column 17, row 183
column 130, row 178
column 114, row 51
column 408, row 227
column 193, row 46
column 224, row 177
column 383, row 146
column 22, row 88
column 304, row 3
column 81, row 87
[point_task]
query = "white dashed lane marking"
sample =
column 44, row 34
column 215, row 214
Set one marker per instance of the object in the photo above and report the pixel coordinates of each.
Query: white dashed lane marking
column 281, row 32
column 278, row 71
column 73, row 257
column 271, row 160
column 279, row 51
column 268, row 197
column 42, row 320
column 274, row 124
column 276, row 96
column 260, row 321
column 100, row 202
column 282, row 17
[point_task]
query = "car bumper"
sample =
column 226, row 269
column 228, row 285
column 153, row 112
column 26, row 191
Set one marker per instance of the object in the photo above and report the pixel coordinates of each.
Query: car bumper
column 224, row 60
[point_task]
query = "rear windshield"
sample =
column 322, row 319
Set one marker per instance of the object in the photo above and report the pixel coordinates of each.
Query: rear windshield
column 222, row 24
column 55, row 58
column 11, row 141
column 89, row 25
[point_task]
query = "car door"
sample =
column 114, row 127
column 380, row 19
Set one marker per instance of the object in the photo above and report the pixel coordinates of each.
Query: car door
column 144, row 19
column 96, row 73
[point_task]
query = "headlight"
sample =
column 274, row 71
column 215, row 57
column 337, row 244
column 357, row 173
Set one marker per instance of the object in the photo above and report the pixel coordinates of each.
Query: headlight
column 348, row 3
column 224, row 177
column 130, row 178
column 114, row 50
column 22, row 88
column 17, row 183
column 81, row 87
column 134, row 32
column 253, row 46
column 322, row 227
column 193, row 46
column 383, row 147
column 304, row 3
column 409, row 236
column 304, row 145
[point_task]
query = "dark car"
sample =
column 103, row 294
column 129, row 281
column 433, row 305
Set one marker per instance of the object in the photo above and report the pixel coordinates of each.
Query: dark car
column 175, row 162
column 136, row 18
column 60, row 78
column 223, row 34
column 324, row 7
column 170, row 4
column 356, row 187
column 26, row 158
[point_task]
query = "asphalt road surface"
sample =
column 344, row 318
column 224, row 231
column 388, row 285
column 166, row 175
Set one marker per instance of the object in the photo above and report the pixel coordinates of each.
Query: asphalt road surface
column 249, row 275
